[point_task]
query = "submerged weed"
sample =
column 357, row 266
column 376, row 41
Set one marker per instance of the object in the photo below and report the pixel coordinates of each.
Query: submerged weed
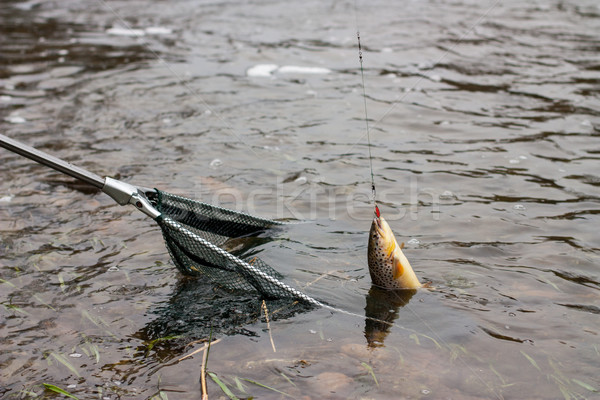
column 56, row 389
column 267, row 387
column 370, row 369
column 222, row 385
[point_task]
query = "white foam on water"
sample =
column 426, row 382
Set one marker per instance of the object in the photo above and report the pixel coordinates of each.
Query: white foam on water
column 25, row 6
column 294, row 69
column 116, row 31
column 158, row 30
column 267, row 70
column 15, row 119
column 216, row 163
column 262, row 70
column 447, row 195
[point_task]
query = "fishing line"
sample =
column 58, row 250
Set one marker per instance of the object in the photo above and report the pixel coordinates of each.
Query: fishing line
column 362, row 77
column 409, row 90
column 393, row 324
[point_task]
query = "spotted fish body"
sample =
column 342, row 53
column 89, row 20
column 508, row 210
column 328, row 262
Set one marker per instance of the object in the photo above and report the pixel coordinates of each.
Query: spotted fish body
column 388, row 266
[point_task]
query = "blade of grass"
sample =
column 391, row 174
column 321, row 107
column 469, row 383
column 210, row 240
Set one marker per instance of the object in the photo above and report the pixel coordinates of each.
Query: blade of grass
column 87, row 315
column 152, row 343
column 370, row 369
column 38, row 298
column 432, row 339
column 15, row 308
column 565, row 392
column 8, row 283
column 585, row 385
column 497, row 374
column 223, row 387
column 94, row 349
column 456, row 350
column 56, row 389
column 63, row 286
column 89, row 348
column 240, row 385
column 61, row 359
column 414, row 337
column 267, row 387
column 531, row 360
column 287, row 379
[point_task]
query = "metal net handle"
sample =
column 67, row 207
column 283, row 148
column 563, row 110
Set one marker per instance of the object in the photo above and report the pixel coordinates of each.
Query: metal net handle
column 248, row 268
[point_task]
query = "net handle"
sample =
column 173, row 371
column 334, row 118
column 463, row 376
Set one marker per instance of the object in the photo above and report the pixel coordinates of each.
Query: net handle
column 121, row 192
column 51, row 161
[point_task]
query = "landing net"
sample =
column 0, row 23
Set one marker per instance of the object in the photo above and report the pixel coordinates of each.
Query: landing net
column 196, row 234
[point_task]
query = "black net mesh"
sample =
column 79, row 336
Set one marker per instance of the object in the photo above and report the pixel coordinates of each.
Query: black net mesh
column 214, row 310
column 196, row 234
column 215, row 224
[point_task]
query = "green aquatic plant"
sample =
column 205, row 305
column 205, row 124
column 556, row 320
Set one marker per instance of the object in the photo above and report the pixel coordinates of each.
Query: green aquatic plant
column 90, row 348
column 267, row 387
column 240, row 385
column 56, row 389
column 531, row 360
column 222, row 385
column 61, row 359
column 584, row 385
column 150, row 345
column 160, row 396
column 286, row 378
column 370, row 369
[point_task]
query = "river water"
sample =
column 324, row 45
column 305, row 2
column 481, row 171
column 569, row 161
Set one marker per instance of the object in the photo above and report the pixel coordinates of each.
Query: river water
column 484, row 124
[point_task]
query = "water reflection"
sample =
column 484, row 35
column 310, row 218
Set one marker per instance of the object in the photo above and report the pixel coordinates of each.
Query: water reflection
column 198, row 309
column 383, row 305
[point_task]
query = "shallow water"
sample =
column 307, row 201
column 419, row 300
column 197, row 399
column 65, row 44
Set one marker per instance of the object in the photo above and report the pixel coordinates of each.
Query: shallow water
column 484, row 120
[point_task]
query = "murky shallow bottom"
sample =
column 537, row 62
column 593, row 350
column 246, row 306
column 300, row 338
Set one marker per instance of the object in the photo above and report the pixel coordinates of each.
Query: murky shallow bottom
column 484, row 121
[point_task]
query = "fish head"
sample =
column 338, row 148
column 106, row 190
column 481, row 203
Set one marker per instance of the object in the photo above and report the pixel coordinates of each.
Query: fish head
column 383, row 235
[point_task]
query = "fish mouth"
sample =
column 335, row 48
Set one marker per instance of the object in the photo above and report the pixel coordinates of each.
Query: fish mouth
column 377, row 218
column 378, row 222
column 380, row 228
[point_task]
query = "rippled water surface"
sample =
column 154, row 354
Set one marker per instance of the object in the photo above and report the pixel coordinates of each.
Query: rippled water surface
column 485, row 125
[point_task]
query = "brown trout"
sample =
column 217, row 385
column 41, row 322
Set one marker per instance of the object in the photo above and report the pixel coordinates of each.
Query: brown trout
column 388, row 266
